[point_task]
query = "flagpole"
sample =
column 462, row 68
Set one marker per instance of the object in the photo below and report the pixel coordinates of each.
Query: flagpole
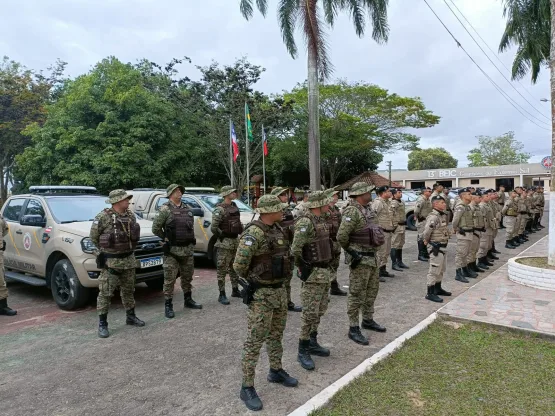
column 263, row 158
column 247, row 151
column 231, row 153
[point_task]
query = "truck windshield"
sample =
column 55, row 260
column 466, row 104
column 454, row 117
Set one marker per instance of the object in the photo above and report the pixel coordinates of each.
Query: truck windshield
column 212, row 200
column 76, row 208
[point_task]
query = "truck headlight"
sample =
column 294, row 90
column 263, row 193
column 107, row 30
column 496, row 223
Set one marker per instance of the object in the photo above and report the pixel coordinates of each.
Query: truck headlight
column 87, row 245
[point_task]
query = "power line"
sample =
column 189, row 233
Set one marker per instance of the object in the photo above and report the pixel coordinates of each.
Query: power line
column 509, row 99
column 492, row 51
column 496, row 67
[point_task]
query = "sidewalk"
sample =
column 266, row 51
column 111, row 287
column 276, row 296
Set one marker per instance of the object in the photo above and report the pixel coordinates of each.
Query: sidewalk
column 498, row 301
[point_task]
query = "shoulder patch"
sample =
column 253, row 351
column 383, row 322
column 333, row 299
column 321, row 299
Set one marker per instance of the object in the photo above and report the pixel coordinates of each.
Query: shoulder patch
column 249, row 240
column 347, row 218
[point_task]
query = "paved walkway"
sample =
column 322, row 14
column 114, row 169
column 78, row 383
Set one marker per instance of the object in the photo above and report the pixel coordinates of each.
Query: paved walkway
column 497, row 300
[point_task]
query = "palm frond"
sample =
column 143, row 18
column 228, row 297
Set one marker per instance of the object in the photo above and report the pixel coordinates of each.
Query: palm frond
column 330, row 10
column 315, row 37
column 288, row 12
column 357, row 14
column 262, row 6
column 246, row 8
column 378, row 14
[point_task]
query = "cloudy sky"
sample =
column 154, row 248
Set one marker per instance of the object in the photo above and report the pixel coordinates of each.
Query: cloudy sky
column 420, row 59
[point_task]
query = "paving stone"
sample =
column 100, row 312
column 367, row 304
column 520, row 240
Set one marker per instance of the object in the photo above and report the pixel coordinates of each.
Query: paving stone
column 522, row 324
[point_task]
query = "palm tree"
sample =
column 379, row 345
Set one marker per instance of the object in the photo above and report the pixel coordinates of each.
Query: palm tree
column 308, row 14
column 531, row 27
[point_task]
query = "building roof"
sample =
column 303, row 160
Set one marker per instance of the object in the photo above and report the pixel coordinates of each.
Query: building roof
column 371, row 178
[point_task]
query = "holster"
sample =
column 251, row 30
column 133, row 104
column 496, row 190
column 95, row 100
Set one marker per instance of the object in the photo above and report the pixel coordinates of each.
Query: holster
column 101, row 261
column 435, row 249
column 247, row 291
column 166, row 248
column 357, row 258
column 306, row 270
column 3, row 246
column 461, row 232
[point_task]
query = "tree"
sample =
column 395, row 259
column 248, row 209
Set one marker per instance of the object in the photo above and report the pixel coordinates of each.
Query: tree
column 497, row 151
column 23, row 96
column 359, row 122
column 529, row 28
column 319, row 65
column 432, row 158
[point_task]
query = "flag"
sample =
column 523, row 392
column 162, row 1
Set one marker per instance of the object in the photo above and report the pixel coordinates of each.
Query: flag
column 264, row 142
column 248, row 123
column 234, row 143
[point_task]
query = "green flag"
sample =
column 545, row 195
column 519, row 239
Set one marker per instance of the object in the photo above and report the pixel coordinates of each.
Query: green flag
column 248, row 123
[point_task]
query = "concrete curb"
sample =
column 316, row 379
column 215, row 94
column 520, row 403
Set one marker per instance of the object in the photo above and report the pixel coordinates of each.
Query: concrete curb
column 325, row 395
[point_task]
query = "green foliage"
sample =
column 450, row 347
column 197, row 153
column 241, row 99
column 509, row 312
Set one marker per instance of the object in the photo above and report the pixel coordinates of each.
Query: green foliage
column 528, row 27
column 432, row 158
column 496, row 151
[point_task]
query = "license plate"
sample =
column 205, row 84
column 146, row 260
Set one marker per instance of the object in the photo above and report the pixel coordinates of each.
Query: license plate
column 151, row 262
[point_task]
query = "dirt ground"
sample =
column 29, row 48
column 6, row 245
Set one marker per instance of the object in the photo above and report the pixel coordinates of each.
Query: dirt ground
column 53, row 363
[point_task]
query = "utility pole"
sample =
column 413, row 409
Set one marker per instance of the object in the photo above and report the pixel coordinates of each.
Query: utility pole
column 389, row 168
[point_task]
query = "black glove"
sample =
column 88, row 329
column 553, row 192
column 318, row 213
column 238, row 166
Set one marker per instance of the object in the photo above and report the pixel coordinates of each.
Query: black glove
column 166, row 248
column 306, row 270
column 100, row 261
column 357, row 258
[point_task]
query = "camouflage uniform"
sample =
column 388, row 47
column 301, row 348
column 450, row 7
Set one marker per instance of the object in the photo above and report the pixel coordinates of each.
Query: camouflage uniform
column 436, row 231
column 486, row 237
column 510, row 213
column 478, row 225
column 463, row 224
column 118, row 271
column 522, row 213
column 541, row 205
column 422, row 209
column 227, row 247
column 363, row 279
column 385, row 220
column 333, row 217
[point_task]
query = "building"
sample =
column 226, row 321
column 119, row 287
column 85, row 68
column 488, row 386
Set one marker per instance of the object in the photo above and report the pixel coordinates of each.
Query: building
column 529, row 174
column 371, row 178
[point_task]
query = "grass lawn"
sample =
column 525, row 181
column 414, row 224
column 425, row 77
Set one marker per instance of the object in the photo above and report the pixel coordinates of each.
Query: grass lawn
column 456, row 369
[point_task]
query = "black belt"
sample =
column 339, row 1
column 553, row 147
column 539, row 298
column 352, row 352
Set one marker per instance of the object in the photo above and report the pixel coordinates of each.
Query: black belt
column 483, row 229
column 321, row 265
column 402, row 223
column 388, row 231
column 468, row 231
column 227, row 235
column 117, row 256
column 367, row 253
column 442, row 245
column 268, row 285
column 509, row 215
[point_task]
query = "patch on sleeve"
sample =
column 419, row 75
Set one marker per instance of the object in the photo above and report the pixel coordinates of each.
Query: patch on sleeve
column 303, row 230
column 95, row 222
column 347, row 218
column 249, row 240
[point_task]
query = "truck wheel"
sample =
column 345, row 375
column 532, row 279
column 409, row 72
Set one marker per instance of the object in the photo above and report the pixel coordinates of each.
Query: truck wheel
column 155, row 284
column 67, row 290
column 411, row 222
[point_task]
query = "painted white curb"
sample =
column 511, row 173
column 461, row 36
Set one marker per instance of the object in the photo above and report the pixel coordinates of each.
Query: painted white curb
column 325, row 395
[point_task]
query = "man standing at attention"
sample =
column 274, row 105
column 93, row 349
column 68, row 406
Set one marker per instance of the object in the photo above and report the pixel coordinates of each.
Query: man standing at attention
column 397, row 207
column 421, row 210
column 385, row 220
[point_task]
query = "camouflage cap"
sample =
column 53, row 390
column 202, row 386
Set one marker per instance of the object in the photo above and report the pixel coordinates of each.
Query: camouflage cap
column 361, row 188
column 173, row 187
column 226, row 190
column 268, row 204
column 317, row 199
column 331, row 192
column 117, row 195
column 278, row 190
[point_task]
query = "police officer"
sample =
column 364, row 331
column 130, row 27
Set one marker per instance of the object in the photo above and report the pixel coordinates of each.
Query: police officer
column 435, row 238
column 501, row 198
column 397, row 208
column 463, row 226
column 385, row 220
column 287, row 224
column 333, row 218
column 478, row 229
column 175, row 225
column 116, row 232
column 422, row 208
column 355, row 235
column 484, row 252
column 226, row 226
column 313, row 253
column 510, row 213
column 534, row 211
column 540, row 204
column 531, row 211
column 496, row 209
column 447, row 198
column 4, row 308
column 522, row 215
column 263, row 261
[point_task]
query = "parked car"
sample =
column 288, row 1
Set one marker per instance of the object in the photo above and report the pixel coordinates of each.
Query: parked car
column 147, row 201
column 48, row 243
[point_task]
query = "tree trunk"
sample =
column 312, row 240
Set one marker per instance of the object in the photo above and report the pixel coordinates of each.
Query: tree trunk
column 313, row 121
column 551, row 254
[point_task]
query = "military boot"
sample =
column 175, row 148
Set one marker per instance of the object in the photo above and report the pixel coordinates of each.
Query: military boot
column 5, row 309
column 485, row 260
column 372, row 325
column 235, row 293
column 169, row 309
column 469, row 273
column 189, row 302
column 422, row 255
column 492, row 255
column 481, row 266
column 303, row 356
column 131, row 318
column 336, row 290
column 394, row 262
column 400, row 259
column 385, row 273
column 294, row 308
column 431, row 295
column 459, row 276
column 509, row 244
column 514, row 242
column 103, row 326
column 494, row 250
column 251, row 399
column 440, row 291
column 474, row 267
column 280, row 376
column 316, row 349
column 356, row 335
column 223, row 298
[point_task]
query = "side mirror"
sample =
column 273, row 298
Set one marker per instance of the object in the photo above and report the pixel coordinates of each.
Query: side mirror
column 33, row 221
column 197, row 212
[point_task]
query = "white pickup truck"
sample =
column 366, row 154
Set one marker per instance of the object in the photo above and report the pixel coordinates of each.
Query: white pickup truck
column 202, row 201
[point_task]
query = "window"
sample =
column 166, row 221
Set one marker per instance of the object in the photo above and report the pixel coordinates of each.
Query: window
column 190, row 202
column 417, row 185
column 474, row 181
column 34, row 207
column 13, row 210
